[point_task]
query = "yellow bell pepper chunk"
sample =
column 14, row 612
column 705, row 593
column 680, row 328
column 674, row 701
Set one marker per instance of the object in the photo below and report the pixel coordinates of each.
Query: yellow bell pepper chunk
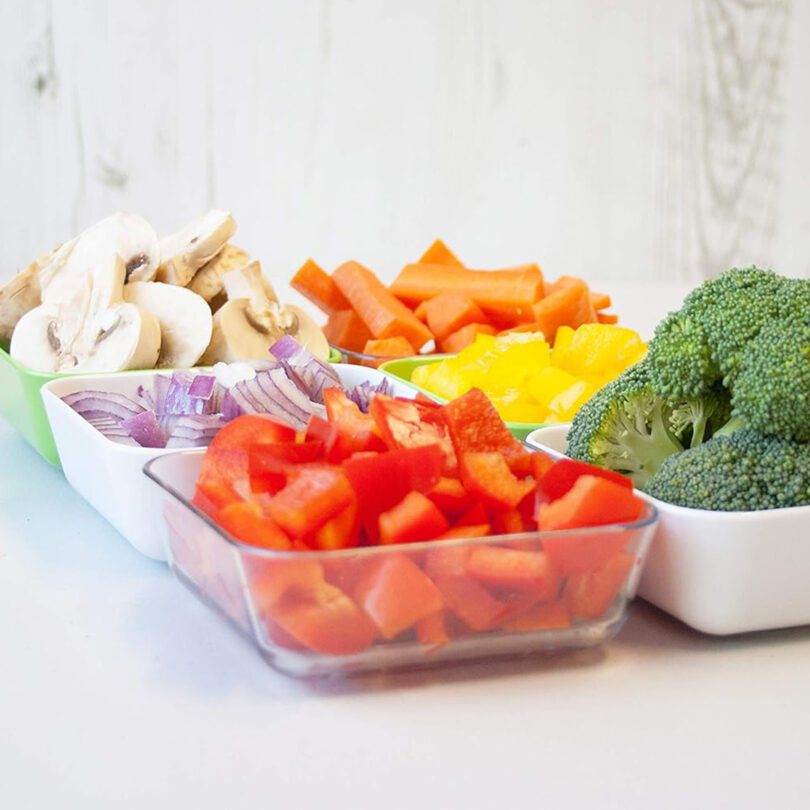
column 548, row 383
column 440, row 378
column 565, row 405
column 515, row 406
column 596, row 348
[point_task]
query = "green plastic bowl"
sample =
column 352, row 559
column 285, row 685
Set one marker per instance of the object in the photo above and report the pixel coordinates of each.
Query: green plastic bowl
column 404, row 367
column 21, row 403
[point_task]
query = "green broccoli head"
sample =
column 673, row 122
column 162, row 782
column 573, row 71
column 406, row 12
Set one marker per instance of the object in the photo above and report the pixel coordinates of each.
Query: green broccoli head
column 731, row 309
column 745, row 471
column 695, row 419
column 771, row 392
column 624, row 427
column 680, row 358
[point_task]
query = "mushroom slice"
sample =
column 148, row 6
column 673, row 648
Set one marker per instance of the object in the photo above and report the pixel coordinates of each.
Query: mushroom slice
column 185, row 320
column 126, row 235
column 207, row 281
column 93, row 330
column 183, row 253
column 252, row 321
column 19, row 296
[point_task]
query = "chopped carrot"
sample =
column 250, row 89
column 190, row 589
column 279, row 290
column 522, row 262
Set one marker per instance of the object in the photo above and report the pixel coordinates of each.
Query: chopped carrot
column 448, row 312
column 566, row 306
column 607, row 317
column 317, row 286
column 439, row 253
column 383, row 314
column 458, row 341
column 421, row 312
column 600, row 300
column 346, row 330
column 506, row 296
column 389, row 347
column 586, row 313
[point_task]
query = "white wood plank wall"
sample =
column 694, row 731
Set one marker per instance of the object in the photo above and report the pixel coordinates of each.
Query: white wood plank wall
column 625, row 140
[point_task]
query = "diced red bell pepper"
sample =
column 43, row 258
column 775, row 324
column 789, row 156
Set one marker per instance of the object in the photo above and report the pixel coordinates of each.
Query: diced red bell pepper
column 312, row 497
column 252, row 429
column 414, row 519
column 269, row 463
column 476, row 515
column 591, row 501
column 247, row 521
column 547, row 616
column 590, row 595
column 564, row 473
column 574, row 554
column 224, row 478
column 381, row 481
column 475, row 426
column 432, row 630
column 341, row 531
column 396, row 594
column 451, row 497
column 508, row 521
column 356, row 431
column 280, row 637
column 460, row 532
column 470, row 601
column 510, row 569
column 448, row 560
column 270, row 580
column 325, row 620
column 426, row 401
column 488, row 476
column 541, row 463
column 406, row 423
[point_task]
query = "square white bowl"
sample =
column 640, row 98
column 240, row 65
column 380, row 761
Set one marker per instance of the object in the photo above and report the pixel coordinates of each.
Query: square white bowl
column 721, row 572
column 109, row 475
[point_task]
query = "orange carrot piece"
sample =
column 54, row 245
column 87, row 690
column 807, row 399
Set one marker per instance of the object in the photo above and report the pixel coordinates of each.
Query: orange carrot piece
column 317, row 286
column 545, row 616
column 389, row 347
column 421, row 312
column 586, row 312
column 346, row 330
column 439, row 253
column 448, row 312
column 458, row 341
column 506, row 296
column 569, row 305
column 600, row 300
column 607, row 317
column 383, row 314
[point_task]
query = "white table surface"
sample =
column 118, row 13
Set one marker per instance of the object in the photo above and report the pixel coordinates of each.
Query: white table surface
column 119, row 690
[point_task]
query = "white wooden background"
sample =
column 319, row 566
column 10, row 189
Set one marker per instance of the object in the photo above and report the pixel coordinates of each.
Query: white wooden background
column 626, row 140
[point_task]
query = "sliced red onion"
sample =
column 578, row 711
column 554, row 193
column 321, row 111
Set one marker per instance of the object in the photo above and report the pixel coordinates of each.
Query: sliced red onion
column 102, row 403
column 110, row 427
column 145, row 429
column 362, row 392
column 202, row 387
column 230, row 407
column 245, row 398
column 289, row 396
column 310, row 374
column 229, row 374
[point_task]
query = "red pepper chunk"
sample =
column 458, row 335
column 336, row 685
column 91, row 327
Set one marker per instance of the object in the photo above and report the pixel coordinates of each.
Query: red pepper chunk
column 356, row 431
column 382, row 480
column 514, row 570
column 488, row 476
column 313, row 496
column 562, row 475
column 339, row 532
column 591, row 501
column 247, row 522
column 396, row 594
column 470, row 601
column 590, row 595
column 475, row 426
column 414, row 519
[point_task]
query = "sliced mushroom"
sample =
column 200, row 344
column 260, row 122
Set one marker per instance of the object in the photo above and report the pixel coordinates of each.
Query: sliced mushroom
column 185, row 320
column 19, row 296
column 127, row 235
column 183, row 253
column 207, row 281
column 252, row 321
column 91, row 330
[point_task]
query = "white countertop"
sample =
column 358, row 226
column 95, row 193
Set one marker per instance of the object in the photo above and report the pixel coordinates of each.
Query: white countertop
column 119, row 690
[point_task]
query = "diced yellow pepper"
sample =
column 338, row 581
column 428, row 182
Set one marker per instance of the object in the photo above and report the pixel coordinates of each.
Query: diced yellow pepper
column 440, row 378
column 568, row 402
column 564, row 337
column 515, row 406
column 597, row 347
column 548, row 383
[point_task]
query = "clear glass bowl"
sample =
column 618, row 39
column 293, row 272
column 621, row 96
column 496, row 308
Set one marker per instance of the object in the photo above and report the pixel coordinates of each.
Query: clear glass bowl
column 484, row 619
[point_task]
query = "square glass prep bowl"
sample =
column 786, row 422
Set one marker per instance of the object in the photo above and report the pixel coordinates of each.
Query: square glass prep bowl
column 255, row 590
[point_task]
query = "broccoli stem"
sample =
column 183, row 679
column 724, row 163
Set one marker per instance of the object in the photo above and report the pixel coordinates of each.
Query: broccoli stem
column 732, row 426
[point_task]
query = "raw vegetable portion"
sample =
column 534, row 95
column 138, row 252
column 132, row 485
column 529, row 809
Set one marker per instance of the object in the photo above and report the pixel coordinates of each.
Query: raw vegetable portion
column 526, row 379
column 277, row 488
column 318, row 286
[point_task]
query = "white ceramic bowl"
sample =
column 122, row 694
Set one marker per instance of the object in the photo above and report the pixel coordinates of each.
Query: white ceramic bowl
column 109, row 475
column 722, row 572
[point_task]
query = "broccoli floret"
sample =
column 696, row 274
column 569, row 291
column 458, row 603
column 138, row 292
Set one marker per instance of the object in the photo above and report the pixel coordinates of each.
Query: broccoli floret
column 741, row 472
column 696, row 419
column 625, row 427
column 771, row 393
column 681, row 364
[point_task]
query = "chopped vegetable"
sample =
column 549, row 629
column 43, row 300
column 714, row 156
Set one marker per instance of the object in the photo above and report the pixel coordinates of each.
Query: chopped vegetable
column 318, row 287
